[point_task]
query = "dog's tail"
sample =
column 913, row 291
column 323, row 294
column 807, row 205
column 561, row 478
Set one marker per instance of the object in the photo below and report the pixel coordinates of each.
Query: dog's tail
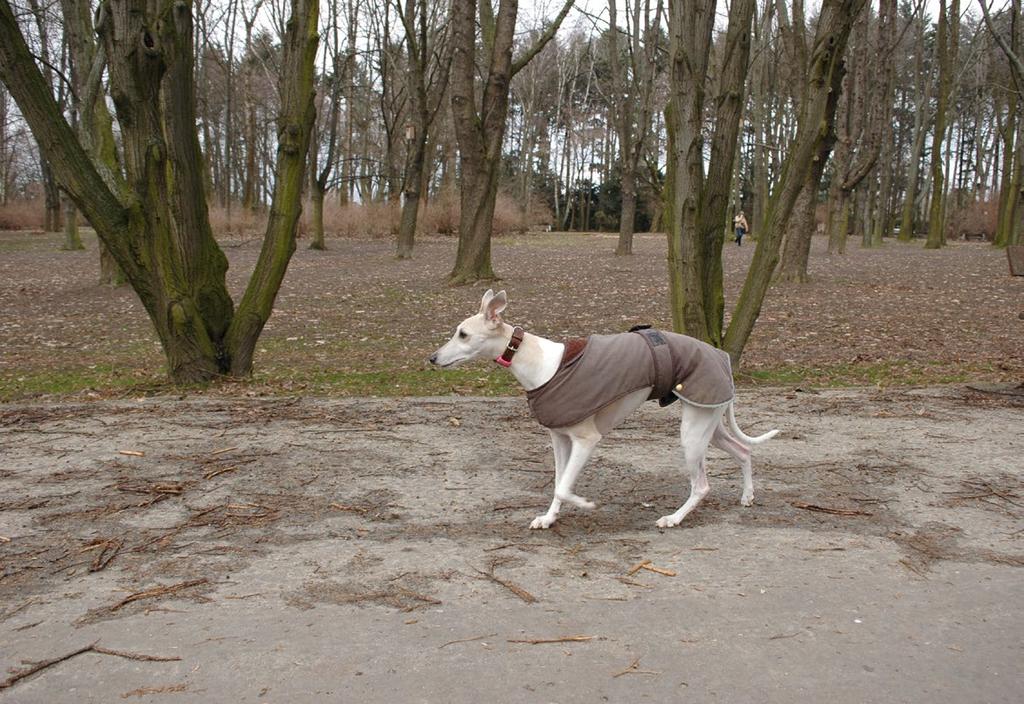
column 743, row 436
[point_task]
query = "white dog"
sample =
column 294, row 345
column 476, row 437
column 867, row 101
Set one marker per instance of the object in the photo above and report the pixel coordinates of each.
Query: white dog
column 582, row 389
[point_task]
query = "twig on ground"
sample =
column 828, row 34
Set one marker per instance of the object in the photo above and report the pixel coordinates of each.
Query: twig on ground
column 634, row 669
column 158, row 591
column 633, row 583
column 108, row 549
column 166, row 689
column 513, row 506
column 646, row 565
column 223, row 450
column 830, row 509
column 24, row 605
column 92, row 648
column 514, row 588
column 637, row 567
column 131, row 453
column 563, row 639
column 465, row 640
column 218, row 472
column 347, row 507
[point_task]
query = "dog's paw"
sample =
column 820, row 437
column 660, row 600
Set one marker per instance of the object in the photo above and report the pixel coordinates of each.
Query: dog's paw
column 669, row 521
column 542, row 522
column 747, row 499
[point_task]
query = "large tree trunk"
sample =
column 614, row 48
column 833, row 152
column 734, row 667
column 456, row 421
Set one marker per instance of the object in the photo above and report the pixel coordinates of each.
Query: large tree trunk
column 294, row 125
column 796, row 251
column 154, row 219
column 696, row 207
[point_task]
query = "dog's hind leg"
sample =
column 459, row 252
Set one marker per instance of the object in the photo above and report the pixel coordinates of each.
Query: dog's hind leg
column 698, row 427
column 562, row 446
column 723, row 440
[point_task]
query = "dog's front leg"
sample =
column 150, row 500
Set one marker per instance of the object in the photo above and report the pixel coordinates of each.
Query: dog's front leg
column 583, row 444
column 561, row 445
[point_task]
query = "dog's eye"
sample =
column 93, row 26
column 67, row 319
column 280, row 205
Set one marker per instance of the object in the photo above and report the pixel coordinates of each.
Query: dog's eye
column 462, row 335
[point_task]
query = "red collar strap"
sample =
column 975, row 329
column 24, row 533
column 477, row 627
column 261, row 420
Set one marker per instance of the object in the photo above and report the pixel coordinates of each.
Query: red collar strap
column 505, row 359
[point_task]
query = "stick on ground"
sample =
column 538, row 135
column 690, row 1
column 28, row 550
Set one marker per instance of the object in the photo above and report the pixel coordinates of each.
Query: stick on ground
column 466, row 640
column 563, row 639
column 830, row 509
column 514, row 588
column 158, row 591
column 92, row 648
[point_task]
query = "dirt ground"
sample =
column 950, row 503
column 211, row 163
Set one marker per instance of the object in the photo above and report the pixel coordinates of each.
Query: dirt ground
column 354, row 320
column 302, row 550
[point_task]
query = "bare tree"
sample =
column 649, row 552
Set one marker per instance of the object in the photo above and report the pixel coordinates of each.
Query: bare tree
column 327, row 124
column 481, row 130
column 632, row 102
column 946, row 44
column 814, row 139
column 154, row 216
column 429, row 59
column 697, row 204
column 1011, row 211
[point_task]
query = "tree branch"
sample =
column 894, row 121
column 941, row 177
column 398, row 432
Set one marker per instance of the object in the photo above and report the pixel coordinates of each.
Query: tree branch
column 1016, row 64
column 519, row 64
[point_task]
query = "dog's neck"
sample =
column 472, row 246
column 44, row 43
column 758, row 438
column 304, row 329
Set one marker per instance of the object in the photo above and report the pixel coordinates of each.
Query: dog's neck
column 536, row 361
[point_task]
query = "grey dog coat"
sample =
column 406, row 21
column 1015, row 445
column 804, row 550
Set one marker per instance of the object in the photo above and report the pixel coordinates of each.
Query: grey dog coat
column 612, row 366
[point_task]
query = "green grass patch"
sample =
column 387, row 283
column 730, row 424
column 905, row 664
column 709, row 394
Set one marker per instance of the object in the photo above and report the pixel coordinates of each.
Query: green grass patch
column 102, row 378
column 112, row 381
column 410, row 382
column 889, row 373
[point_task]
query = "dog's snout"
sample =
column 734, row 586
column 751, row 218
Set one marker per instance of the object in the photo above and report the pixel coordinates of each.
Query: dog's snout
column 433, row 358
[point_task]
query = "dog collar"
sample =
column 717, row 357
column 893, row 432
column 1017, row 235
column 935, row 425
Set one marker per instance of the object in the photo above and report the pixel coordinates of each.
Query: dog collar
column 505, row 359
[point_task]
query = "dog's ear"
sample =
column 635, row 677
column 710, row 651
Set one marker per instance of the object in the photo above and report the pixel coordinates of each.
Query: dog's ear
column 488, row 295
column 495, row 306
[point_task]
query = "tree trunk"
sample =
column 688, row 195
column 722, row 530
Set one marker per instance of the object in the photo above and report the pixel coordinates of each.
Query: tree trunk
column 627, row 218
column 154, row 220
column 95, row 125
column 72, row 240
column 316, row 199
column 945, row 50
column 796, row 252
column 814, row 140
column 411, row 205
column 481, row 134
column 696, row 206
column 1006, row 178
column 51, row 200
column 294, row 125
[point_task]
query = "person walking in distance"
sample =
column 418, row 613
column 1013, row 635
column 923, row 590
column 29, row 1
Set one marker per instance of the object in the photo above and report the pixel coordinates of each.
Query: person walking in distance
column 740, row 224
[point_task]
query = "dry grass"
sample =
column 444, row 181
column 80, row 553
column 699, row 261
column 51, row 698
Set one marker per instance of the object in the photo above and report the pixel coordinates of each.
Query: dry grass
column 22, row 215
column 980, row 217
column 240, row 222
column 438, row 216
